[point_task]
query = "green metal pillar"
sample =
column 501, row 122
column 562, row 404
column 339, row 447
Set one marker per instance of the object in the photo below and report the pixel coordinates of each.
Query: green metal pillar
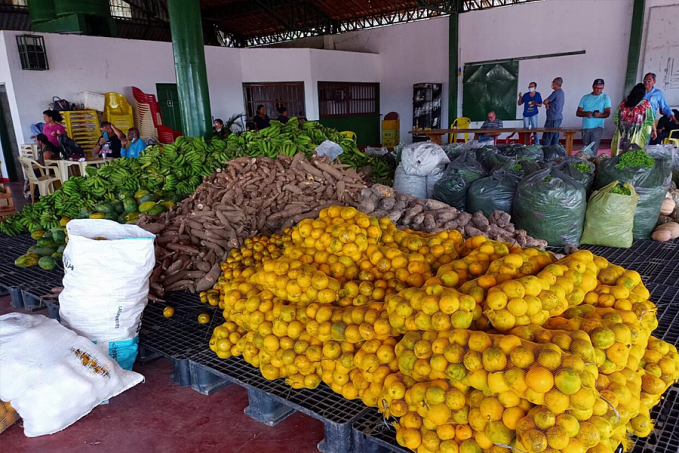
column 636, row 34
column 189, row 62
column 453, row 63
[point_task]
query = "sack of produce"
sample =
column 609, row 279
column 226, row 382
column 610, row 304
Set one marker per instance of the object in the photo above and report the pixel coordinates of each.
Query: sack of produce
column 530, row 152
column 580, row 170
column 554, row 152
column 490, row 157
column 106, row 284
column 421, row 159
column 650, row 177
column 520, row 167
column 330, row 149
column 432, row 180
column 551, row 205
column 609, row 219
column 460, row 174
column 494, row 193
column 51, row 375
column 411, row 184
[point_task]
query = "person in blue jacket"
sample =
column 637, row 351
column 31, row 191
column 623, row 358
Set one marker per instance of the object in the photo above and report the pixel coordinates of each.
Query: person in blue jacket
column 133, row 145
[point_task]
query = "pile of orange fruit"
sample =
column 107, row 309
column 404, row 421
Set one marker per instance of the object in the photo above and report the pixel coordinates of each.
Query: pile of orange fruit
column 466, row 345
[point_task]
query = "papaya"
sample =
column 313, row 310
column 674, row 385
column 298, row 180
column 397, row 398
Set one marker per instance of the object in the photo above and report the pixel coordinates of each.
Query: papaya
column 111, row 216
column 118, row 207
column 146, row 206
column 126, row 194
column 26, row 260
column 47, row 235
column 97, row 215
column 121, row 218
column 84, row 213
column 105, row 208
column 132, row 217
column 37, row 234
column 58, row 256
column 147, row 197
column 43, row 241
column 59, row 236
column 61, row 249
column 47, row 263
column 63, row 221
column 156, row 210
column 44, row 250
column 168, row 204
column 129, row 205
column 140, row 193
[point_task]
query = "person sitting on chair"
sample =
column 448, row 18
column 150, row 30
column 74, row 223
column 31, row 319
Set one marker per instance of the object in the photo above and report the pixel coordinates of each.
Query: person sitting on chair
column 491, row 123
column 665, row 127
column 46, row 150
column 109, row 143
column 282, row 115
column 132, row 145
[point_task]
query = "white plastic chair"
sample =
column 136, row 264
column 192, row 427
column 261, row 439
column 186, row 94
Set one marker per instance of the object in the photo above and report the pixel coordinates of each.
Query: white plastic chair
column 45, row 181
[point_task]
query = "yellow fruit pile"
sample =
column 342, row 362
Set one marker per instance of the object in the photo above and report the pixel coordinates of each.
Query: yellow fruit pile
column 469, row 346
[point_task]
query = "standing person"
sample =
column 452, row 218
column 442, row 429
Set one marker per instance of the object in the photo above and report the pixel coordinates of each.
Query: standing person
column 657, row 98
column 594, row 108
column 132, row 144
column 530, row 101
column 52, row 129
column 634, row 121
column 283, row 115
column 491, row 123
column 109, row 143
column 261, row 119
column 554, row 107
column 664, row 127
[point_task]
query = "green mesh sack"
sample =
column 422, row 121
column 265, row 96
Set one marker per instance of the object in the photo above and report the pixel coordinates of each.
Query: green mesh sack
column 494, row 193
column 609, row 219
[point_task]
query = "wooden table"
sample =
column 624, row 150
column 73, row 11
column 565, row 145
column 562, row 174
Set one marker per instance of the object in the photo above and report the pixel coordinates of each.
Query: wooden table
column 436, row 135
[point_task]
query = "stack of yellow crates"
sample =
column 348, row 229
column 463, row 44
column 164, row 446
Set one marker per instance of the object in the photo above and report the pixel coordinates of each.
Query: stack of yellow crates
column 83, row 127
column 118, row 112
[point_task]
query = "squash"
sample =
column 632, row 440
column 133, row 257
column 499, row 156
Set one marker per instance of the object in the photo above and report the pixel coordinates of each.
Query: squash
column 47, row 263
column 146, row 206
column 667, row 207
column 37, row 234
column 672, row 227
column 661, row 235
column 27, row 260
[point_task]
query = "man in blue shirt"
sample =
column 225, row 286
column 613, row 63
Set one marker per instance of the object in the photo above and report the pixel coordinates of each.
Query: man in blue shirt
column 554, row 106
column 657, row 98
column 594, row 108
column 133, row 145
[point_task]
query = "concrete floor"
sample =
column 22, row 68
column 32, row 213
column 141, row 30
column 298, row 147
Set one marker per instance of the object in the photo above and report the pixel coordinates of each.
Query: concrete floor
column 159, row 416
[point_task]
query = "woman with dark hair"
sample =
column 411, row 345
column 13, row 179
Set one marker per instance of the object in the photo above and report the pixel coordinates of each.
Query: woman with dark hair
column 52, row 128
column 283, row 114
column 665, row 127
column 46, row 150
column 634, row 121
column 218, row 128
column 261, row 119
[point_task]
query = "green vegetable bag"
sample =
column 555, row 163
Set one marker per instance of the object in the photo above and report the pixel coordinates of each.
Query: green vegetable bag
column 609, row 219
column 494, row 193
column 580, row 170
column 650, row 177
column 550, row 205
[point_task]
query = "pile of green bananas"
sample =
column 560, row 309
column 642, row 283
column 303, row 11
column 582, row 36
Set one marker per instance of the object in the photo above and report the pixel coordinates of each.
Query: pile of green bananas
column 171, row 172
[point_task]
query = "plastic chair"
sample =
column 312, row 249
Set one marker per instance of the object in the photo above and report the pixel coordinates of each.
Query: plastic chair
column 30, row 151
column 461, row 123
column 351, row 135
column 45, row 182
column 670, row 140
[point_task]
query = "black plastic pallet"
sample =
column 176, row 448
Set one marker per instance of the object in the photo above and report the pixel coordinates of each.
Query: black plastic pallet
column 272, row 401
column 664, row 438
column 666, row 299
column 374, row 434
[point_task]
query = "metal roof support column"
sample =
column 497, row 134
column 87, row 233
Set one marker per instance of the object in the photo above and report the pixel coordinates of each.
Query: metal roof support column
column 636, row 34
column 189, row 62
column 453, row 32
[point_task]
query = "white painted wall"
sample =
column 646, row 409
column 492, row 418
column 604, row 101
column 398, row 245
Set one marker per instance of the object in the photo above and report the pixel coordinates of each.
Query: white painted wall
column 87, row 63
column 418, row 51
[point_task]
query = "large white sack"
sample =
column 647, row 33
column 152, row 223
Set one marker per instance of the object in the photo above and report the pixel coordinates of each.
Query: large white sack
column 423, row 158
column 52, row 376
column 106, row 282
column 411, row 184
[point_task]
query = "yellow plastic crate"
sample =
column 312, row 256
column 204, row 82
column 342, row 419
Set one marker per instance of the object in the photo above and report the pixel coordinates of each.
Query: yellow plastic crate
column 83, row 127
column 391, row 132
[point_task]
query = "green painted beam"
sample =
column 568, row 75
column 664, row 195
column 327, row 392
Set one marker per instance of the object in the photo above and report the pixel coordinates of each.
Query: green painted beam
column 189, row 62
column 453, row 64
column 636, row 35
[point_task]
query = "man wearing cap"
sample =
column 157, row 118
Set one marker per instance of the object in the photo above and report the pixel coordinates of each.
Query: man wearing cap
column 594, row 108
column 657, row 98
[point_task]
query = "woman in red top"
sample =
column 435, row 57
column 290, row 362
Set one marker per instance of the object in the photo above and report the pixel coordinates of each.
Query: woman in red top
column 52, row 127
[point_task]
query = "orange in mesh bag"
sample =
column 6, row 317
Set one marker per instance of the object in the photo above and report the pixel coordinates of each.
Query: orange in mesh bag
column 8, row 416
column 539, row 373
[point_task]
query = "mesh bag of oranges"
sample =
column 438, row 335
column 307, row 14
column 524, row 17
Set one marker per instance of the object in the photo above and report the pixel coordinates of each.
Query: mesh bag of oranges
column 8, row 416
